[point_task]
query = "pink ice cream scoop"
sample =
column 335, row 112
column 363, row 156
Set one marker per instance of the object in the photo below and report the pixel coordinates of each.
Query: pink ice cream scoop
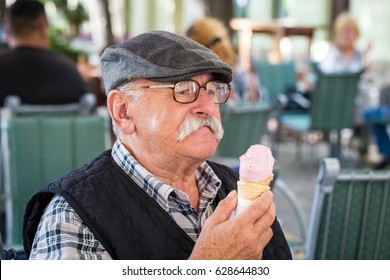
column 256, row 164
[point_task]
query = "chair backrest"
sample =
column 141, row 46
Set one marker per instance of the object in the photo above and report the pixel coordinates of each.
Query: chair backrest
column 85, row 106
column 333, row 101
column 244, row 124
column 276, row 78
column 350, row 216
column 40, row 145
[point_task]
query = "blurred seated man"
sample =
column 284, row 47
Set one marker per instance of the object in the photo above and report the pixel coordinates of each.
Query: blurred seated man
column 154, row 195
column 28, row 69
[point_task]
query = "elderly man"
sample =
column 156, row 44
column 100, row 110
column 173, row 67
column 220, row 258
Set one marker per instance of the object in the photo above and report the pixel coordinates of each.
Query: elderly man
column 154, row 195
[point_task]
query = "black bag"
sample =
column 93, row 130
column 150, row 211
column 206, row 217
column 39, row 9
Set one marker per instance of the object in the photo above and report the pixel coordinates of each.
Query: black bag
column 296, row 101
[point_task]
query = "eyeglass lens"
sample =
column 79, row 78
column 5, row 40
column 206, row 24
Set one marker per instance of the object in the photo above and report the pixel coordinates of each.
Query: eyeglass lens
column 188, row 91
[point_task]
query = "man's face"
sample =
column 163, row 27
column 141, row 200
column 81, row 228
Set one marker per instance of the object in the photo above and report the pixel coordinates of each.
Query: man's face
column 158, row 119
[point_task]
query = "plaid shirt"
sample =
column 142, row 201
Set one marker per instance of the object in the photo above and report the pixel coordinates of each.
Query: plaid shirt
column 62, row 234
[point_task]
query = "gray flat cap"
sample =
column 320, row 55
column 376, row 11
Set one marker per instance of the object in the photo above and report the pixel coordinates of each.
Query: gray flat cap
column 162, row 57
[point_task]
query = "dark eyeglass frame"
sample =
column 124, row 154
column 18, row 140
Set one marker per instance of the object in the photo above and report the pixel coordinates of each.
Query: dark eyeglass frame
column 177, row 84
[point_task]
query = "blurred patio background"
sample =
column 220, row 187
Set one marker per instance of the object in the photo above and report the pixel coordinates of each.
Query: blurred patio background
column 90, row 25
column 87, row 26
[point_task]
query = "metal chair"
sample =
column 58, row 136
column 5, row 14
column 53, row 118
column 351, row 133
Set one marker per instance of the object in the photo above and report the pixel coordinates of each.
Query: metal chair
column 350, row 217
column 276, row 78
column 297, row 244
column 40, row 143
column 331, row 111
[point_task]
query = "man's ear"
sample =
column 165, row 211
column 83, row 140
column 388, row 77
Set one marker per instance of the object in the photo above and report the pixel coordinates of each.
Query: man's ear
column 120, row 111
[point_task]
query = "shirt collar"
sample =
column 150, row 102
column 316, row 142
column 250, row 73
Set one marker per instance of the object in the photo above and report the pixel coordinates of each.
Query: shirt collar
column 207, row 180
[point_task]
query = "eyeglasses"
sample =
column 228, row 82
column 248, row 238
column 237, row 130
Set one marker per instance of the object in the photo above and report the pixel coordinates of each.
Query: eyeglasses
column 188, row 91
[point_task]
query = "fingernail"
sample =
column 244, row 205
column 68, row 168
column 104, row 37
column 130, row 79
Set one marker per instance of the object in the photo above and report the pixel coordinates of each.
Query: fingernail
column 233, row 193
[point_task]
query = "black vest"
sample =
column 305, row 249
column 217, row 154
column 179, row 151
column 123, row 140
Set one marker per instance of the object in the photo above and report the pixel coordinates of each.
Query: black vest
column 126, row 220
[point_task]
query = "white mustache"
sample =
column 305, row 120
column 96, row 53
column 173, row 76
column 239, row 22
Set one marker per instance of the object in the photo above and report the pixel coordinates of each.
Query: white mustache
column 192, row 124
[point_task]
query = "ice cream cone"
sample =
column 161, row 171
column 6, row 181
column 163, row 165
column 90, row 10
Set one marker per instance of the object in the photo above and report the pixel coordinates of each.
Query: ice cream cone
column 256, row 173
column 251, row 190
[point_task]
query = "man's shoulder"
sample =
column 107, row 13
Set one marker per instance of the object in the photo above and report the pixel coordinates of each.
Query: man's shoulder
column 33, row 53
column 55, row 57
column 99, row 167
column 5, row 54
column 29, row 57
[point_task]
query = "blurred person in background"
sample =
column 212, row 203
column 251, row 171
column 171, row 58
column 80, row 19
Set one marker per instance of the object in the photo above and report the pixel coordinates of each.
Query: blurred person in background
column 29, row 69
column 344, row 57
column 213, row 34
column 378, row 119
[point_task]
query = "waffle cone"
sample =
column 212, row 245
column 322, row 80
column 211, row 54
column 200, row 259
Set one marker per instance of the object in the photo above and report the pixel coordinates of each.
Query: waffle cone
column 251, row 190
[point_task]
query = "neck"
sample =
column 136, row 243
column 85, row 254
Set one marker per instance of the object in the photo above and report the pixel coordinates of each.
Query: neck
column 28, row 42
column 183, row 182
column 180, row 178
column 176, row 172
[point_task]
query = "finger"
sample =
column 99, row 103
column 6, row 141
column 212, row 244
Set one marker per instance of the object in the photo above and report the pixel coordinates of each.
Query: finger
column 266, row 220
column 224, row 209
column 264, row 239
column 258, row 207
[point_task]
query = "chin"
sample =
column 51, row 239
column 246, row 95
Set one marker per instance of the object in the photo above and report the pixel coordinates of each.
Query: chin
column 201, row 149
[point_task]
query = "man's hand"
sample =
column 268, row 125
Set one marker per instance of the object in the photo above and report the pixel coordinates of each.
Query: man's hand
column 241, row 237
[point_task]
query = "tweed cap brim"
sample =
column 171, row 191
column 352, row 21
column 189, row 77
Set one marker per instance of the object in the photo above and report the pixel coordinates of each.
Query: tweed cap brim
column 162, row 57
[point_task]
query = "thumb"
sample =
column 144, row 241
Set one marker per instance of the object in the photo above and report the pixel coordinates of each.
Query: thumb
column 224, row 209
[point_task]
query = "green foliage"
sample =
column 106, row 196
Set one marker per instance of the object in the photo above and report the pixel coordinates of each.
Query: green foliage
column 75, row 16
column 60, row 38
column 60, row 43
column 60, row 4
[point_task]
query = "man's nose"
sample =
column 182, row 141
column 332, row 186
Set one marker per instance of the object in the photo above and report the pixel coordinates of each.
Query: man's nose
column 205, row 105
